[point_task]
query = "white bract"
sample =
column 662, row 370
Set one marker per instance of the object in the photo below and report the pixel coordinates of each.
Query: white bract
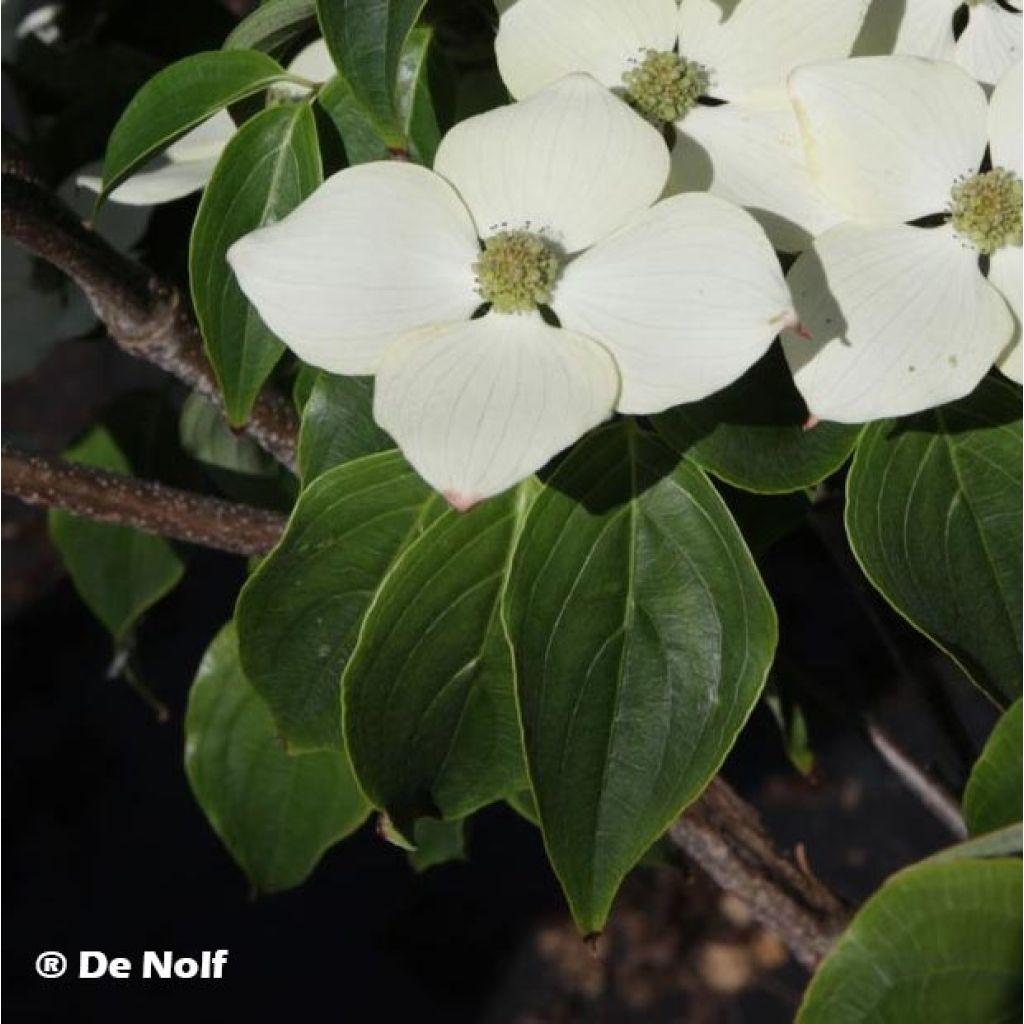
column 186, row 165
column 716, row 70
column 900, row 315
column 381, row 270
column 988, row 45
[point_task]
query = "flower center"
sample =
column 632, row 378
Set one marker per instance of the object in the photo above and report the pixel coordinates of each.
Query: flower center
column 516, row 271
column 986, row 209
column 664, row 86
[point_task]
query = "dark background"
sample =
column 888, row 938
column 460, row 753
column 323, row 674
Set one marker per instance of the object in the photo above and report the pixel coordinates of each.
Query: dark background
column 104, row 847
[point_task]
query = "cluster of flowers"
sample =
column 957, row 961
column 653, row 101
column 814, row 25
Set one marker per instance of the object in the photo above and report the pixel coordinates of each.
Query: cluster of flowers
column 608, row 241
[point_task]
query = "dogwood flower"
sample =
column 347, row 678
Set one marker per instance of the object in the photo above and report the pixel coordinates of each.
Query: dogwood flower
column 715, row 71
column 900, row 314
column 382, row 270
column 987, row 45
column 187, row 164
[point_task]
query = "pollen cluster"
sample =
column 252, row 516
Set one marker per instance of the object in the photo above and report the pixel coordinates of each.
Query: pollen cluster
column 986, row 209
column 516, row 271
column 664, row 86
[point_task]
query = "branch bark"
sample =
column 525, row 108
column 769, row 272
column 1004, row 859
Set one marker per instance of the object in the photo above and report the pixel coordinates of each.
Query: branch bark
column 724, row 835
column 115, row 498
column 147, row 317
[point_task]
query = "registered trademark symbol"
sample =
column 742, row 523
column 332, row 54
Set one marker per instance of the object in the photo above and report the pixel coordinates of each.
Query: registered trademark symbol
column 51, row 964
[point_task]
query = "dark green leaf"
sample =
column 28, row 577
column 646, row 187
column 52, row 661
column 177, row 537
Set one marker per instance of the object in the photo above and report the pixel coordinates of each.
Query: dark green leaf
column 358, row 135
column 275, row 813
column 361, row 137
column 302, row 386
column 939, row 943
column 118, row 571
column 178, row 98
column 437, row 842
column 524, row 805
column 298, row 616
column 366, row 39
column 273, row 26
column 643, row 635
column 338, row 425
column 993, row 795
column 933, row 515
column 430, row 714
column 752, row 434
column 270, row 165
column 416, row 102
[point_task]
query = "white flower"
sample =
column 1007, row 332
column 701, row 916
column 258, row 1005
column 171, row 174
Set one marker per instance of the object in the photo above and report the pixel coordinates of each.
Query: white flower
column 988, row 45
column 716, row 70
column 380, row 272
column 186, row 165
column 900, row 314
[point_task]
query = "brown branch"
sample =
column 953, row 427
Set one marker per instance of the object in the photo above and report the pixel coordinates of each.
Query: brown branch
column 115, row 498
column 148, row 318
column 724, row 835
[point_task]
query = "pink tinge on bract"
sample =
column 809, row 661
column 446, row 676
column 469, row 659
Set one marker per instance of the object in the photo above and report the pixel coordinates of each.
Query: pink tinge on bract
column 811, row 422
column 461, row 502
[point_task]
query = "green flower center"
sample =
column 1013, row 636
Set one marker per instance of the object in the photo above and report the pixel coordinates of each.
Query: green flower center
column 516, row 271
column 986, row 209
column 664, row 86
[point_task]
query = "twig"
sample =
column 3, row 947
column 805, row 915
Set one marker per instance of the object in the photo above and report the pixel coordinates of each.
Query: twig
column 724, row 835
column 115, row 498
column 148, row 318
column 928, row 790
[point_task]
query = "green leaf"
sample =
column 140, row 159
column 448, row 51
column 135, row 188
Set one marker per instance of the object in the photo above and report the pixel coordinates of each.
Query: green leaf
column 366, row 39
column 178, row 98
column 752, row 433
column 430, row 715
column 302, row 386
column 416, row 101
column 933, row 515
column 118, row 571
column 1004, row 842
column 270, row 165
column 298, row 616
column 273, row 26
column 643, row 635
column 938, row 943
column 338, row 425
column 524, row 805
column 275, row 813
column 358, row 134
column 421, row 125
column 993, row 795
column 437, row 842
column 206, row 436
